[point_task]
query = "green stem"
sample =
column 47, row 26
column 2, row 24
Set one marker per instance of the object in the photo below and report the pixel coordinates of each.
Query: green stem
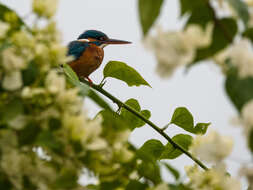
column 151, row 124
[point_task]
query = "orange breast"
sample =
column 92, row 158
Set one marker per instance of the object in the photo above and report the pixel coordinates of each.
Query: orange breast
column 89, row 61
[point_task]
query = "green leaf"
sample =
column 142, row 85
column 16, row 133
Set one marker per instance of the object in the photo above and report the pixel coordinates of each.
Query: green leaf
column 148, row 13
column 113, row 124
column 136, row 185
column 99, row 100
column 29, row 134
column 112, row 121
column 5, row 182
column 11, row 110
column 250, row 141
column 130, row 118
column 248, row 33
column 179, row 187
column 223, row 34
column 241, row 8
column 54, row 124
column 183, row 118
column 71, row 74
column 122, row 71
column 48, row 140
column 239, row 90
column 133, row 103
column 151, row 150
column 146, row 114
column 4, row 45
column 172, row 170
column 201, row 128
column 108, row 185
column 28, row 184
column 74, row 80
column 150, row 170
column 10, row 16
column 67, row 179
column 170, row 152
column 190, row 6
column 30, row 74
column 201, row 13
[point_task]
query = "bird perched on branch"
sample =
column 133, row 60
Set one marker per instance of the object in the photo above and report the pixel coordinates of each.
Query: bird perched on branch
column 88, row 52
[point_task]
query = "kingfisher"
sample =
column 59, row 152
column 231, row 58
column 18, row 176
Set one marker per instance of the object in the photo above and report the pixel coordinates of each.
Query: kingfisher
column 88, row 52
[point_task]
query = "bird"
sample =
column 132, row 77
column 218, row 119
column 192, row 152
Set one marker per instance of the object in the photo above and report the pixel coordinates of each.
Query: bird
column 87, row 52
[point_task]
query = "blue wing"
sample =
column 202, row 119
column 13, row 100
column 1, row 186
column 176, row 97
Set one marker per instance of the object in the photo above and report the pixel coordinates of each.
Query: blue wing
column 76, row 48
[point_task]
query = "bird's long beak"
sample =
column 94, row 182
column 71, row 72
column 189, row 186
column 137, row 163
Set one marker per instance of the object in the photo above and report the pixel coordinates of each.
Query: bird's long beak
column 114, row 41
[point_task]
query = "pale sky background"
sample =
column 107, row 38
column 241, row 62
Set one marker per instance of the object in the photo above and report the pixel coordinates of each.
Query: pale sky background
column 200, row 90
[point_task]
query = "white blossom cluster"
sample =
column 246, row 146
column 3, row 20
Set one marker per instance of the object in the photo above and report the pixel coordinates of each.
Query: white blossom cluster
column 247, row 117
column 212, row 148
column 240, row 55
column 214, row 178
column 177, row 48
column 49, row 97
column 45, row 8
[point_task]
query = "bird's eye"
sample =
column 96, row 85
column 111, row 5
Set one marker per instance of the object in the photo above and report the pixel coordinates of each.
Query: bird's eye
column 102, row 38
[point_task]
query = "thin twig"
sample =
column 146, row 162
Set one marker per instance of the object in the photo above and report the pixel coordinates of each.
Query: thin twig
column 151, row 124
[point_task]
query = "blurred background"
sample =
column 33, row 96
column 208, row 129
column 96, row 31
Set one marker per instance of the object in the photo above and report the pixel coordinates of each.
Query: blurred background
column 200, row 89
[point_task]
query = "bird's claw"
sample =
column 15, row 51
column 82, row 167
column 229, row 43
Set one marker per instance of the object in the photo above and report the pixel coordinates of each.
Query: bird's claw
column 90, row 81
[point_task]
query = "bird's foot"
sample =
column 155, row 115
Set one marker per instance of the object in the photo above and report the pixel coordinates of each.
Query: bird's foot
column 90, row 81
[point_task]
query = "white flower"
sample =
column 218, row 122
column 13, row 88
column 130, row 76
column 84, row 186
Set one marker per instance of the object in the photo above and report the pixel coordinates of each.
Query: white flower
column 97, row 144
column 12, row 81
column 177, row 48
column 69, row 99
column 18, row 122
column 197, row 37
column 161, row 186
column 247, row 117
column 76, row 125
column 171, row 50
column 11, row 61
column 240, row 55
column 248, row 172
column 93, row 129
column 4, row 27
column 125, row 155
column 58, row 53
column 212, row 147
column 55, row 83
column 25, row 43
column 29, row 92
column 122, row 136
column 45, row 8
column 214, row 178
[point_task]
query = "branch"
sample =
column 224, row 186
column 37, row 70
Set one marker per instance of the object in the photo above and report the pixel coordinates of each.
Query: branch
column 151, row 124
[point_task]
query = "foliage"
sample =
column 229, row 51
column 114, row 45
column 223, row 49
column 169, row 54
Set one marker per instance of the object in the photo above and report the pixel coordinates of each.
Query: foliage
column 46, row 138
column 122, row 71
column 230, row 48
column 148, row 12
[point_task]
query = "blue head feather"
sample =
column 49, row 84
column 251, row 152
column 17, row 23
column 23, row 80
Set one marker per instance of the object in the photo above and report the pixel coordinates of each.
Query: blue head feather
column 93, row 34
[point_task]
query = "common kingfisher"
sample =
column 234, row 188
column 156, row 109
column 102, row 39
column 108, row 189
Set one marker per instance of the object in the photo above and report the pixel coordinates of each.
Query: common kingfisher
column 88, row 51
